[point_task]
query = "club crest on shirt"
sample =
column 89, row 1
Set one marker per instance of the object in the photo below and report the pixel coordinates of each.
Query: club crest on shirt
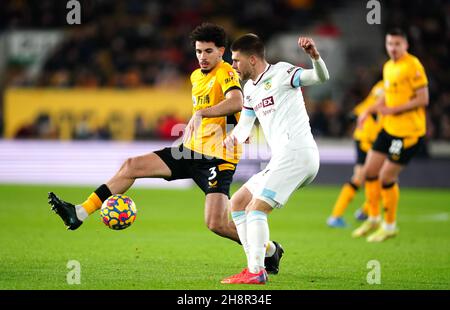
column 211, row 83
column 267, row 84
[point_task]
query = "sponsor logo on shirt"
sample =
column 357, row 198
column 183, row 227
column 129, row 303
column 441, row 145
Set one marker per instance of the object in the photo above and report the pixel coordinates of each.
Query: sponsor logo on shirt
column 228, row 80
column 290, row 70
column 265, row 103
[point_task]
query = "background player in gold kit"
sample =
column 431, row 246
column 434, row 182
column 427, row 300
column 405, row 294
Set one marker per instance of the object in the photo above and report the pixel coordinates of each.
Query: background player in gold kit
column 402, row 134
column 364, row 138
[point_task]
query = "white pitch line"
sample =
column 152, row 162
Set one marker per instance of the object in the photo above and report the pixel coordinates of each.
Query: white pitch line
column 435, row 217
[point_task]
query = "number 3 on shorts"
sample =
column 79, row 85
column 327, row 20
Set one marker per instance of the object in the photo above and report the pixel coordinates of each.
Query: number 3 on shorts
column 213, row 173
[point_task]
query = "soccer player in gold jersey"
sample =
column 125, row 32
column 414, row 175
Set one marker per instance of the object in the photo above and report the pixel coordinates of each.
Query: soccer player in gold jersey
column 402, row 135
column 217, row 102
column 364, row 138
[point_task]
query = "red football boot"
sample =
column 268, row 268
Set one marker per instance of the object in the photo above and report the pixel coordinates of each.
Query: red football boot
column 246, row 277
column 228, row 280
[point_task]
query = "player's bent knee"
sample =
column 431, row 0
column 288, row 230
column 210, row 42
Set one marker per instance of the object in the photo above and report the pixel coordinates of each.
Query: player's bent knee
column 387, row 178
column 370, row 174
column 130, row 168
column 128, row 165
column 238, row 204
column 215, row 227
column 356, row 180
column 263, row 204
column 240, row 199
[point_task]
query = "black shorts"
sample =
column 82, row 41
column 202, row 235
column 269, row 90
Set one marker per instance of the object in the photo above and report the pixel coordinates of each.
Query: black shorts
column 212, row 175
column 360, row 153
column 400, row 150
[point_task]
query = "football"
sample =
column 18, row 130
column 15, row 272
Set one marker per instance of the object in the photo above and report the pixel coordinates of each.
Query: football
column 118, row 212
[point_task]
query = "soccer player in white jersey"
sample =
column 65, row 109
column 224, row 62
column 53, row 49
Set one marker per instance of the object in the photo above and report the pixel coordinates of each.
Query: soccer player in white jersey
column 273, row 95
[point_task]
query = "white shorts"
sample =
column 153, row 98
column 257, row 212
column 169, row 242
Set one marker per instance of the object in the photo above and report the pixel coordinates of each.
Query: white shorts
column 287, row 171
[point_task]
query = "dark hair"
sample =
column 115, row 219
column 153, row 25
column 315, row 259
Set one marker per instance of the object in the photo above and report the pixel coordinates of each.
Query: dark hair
column 208, row 32
column 249, row 44
column 397, row 32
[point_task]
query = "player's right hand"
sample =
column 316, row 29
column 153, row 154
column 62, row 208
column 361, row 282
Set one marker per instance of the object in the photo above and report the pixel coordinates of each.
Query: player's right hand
column 308, row 45
column 192, row 126
column 361, row 119
column 230, row 142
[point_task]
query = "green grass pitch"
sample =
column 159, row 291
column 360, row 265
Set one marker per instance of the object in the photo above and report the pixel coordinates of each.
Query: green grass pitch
column 169, row 247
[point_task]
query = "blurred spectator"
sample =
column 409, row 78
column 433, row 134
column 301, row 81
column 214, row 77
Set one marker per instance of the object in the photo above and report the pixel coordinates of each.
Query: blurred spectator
column 41, row 128
column 327, row 27
column 165, row 126
column 327, row 119
column 142, row 130
column 103, row 133
column 82, row 129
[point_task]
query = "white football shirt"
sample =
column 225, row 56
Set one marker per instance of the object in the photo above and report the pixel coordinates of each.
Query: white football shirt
column 277, row 101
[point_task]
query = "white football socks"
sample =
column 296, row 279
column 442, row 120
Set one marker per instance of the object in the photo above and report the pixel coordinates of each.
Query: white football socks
column 240, row 220
column 81, row 212
column 389, row 227
column 374, row 219
column 257, row 238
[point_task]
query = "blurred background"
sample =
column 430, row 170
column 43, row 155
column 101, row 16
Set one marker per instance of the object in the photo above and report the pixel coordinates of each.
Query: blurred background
column 78, row 99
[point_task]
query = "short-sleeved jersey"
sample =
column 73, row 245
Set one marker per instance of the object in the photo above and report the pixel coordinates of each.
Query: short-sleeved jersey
column 371, row 127
column 209, row 89
column 401, row 79
column 279, row 107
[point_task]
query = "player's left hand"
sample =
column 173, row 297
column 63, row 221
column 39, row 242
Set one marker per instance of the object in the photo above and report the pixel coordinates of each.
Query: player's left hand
column 361, row 119
column 384, row 110
column 308, row 45
column 192, row 126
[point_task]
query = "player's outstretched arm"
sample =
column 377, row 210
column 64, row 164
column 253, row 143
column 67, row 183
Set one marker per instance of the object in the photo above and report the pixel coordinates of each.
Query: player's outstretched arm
column 242, row 130
column 319, row 73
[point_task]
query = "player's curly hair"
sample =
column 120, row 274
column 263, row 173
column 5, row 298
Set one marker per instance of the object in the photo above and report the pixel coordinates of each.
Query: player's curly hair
column 208, row 32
